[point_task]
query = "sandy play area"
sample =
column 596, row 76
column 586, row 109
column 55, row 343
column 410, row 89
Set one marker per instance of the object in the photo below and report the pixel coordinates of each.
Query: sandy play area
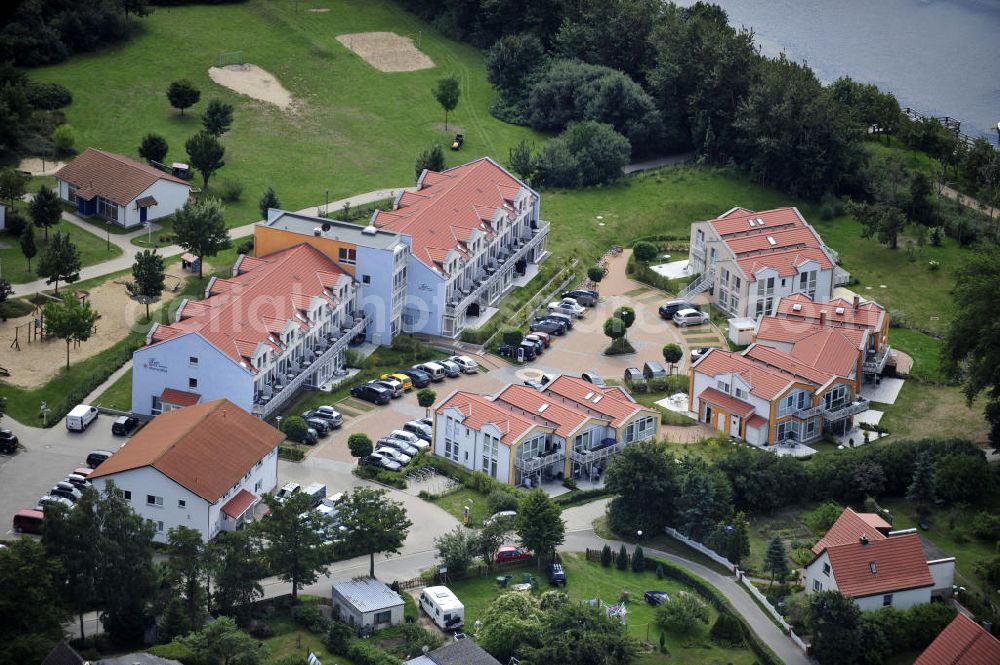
column 37, row 166
column 386, row 51
column 39, row 361
column 252, row 81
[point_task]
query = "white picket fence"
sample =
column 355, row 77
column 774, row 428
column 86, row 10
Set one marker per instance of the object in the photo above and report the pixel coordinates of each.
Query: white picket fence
column 743, row 579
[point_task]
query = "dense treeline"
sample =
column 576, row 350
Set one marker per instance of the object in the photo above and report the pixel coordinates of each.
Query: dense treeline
column 29, row 113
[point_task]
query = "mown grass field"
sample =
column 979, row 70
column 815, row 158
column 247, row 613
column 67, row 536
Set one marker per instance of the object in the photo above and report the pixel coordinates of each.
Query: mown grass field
column 13, row 267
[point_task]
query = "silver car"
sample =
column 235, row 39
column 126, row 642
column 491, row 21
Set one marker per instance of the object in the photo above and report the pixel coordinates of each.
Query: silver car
column 567, row 306
column 690, row 317
column 451, row 368
column 395, row 455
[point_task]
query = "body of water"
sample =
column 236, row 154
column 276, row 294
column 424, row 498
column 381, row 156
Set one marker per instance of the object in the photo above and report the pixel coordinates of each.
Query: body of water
column 940, row 57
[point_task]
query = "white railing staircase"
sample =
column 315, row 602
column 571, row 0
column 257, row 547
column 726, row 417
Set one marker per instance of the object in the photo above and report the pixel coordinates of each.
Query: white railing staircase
column 703, row 283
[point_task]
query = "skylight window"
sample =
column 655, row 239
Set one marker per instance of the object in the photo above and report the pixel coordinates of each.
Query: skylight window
column 589, row 395
column 872, row 566
column 771, row 241
column 598, row 398
column 543, row 407
column 760, row 221
column 750, row 222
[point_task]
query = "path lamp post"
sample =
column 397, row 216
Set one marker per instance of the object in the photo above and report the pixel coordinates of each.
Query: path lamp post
column 326, row 208
column 638, row 534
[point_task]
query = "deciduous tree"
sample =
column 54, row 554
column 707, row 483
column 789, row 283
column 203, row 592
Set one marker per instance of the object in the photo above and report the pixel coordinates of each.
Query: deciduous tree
column 373, row 523
column 200, row 229
column 425, row 398
column 188, row 571
column 72, row 320
column 431, row 159
column 294, row 541
column 31, row 602
column 834, row 619
column 360, row 445
column 522, row 160
column 881, row 221
column 182, row 94
column 540, row 526
column 682, row 613
column 615, row 329
column 457, row 549
column 643, row 478
column 13, row 185
column 27, row 241
column 223, row 643
column 582, row 635
column 490, row 538
column 672, row 354
column 237, row 567
column 205, row 153
column 148, row 276
column 447, row 92
column 45, row 209
column 69, row 537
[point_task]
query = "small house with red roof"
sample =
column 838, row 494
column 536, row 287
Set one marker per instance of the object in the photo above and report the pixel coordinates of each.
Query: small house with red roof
column 280, row 323
column 861, row 557
column 119, row 189
column 962, row 642
column 524, row 436
column 751, row 259
column 204, row 467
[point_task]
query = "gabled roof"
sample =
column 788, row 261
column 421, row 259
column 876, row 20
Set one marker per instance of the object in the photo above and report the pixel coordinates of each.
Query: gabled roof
column 730, row 404
column 206, row 448
column 736, row 222
column 478, row 411
column 880, row 566
column 110, row 176
column 450, row 207
column 789, row 330
column 567, row 415
column 368, row 594
column 788, row 364
column 63, row 654
column 460, row 652
column 828, row 351
column 611, row 402
column 786, row 263
column 765, row 382
column 868, row 314
column 962, row 642
column 849, row 528
column 255, row 305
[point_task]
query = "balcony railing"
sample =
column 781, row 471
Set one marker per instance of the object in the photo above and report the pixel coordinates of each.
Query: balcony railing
column 263, row 409
column 839, row 412
column 874, row 363
column 597, row 454
column 489, row 280
column 534, row 464
column 698, row 253
column 840, row 276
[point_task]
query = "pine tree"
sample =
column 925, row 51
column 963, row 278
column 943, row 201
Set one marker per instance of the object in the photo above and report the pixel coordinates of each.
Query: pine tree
column 638, row 560
column 60, row 261
column 45, row 209
column 218, row 117
column 738, row 542
column 622, row 559
column 267, row 201
column 606, row 556
column 922, row 492
column 28, row 246
column 776, row 560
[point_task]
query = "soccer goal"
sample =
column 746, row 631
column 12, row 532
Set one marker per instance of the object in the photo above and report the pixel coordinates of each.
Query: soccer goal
column 230, row 58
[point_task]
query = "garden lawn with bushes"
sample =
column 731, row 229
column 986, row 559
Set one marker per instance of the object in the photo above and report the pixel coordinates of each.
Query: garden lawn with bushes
column 588, row 580
column 93, row 249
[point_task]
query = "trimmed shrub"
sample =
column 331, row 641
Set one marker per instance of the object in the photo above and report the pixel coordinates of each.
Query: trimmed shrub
column 726, row 630
column 290, row 454
column 501, row 499
column 232, row 190
column 606, row 556
column 644, row 251
column 309, row 617
column 64, row 138
column 47, row 96
column 338, row 637
column 15, row 223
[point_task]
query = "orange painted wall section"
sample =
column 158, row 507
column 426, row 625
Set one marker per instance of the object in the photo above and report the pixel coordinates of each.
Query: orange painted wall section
column 268, row 240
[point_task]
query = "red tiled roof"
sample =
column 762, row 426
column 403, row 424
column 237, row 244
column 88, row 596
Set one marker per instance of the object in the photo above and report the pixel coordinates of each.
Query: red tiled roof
column 567, row 415
column 898, row 564
column 609, row 402
column 727, row 402
column 785, row 263
column 246, row 310
column 756, row 421
column 179, row 397
column 788, row 364
column 110, row 176
column 737, row 221
column 478, row 411
column 962, row 642
column 239, row 504
column 449, row 207
column 765, row 382
column 828, row 351
column 848, row 528
column 206, row 448
column 867, row 315
column 789, row 330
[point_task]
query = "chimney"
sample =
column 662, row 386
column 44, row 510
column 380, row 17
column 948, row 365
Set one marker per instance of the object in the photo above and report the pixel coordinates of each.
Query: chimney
column 857, row 301
column 822, row 316
column 863, row 539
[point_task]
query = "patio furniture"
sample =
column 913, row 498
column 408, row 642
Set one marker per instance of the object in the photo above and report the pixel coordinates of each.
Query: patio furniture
column 503, row 580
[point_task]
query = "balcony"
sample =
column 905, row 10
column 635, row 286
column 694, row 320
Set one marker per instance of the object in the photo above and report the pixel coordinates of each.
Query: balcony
column 845, row 409
column 874, row 363
column 535, row 464
column 606, row 449
column 486, row 279
column 266, row 406
column 840, row 276
column 698, row 254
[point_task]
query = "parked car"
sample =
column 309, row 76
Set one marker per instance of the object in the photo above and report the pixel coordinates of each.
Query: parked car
column 690, row 317
column 97, row 457
column 418, row 378
column 79, row 481
column 567, row 306
column 410, row 438
column 398, row 444
column 431, row 369
column 671, row 307
column 427, row 421
column 373, row 393
column 287, row 490
column 309, row 437
column 80, row 417
column 653, row 370
column 557, row 316
column 545, row 337
column 585, row 297
column 512, row 553
column 633, row 376
column 375, row 459
column 326, row 412
column 66, row 490
column 124, row 425
column 451, row 368
column 394, row 387
column 698, row 353
column 468, row 365
column 28, row 521
column 538, row 383
column 529, row 348
column 502, row 515
column 316, row 491
column 656, row 597
column 549, row 326
column 394, row 454
column 593, row 377
column 402, row 378
column 84, row 471
column 557, row 575
column 423, row 430
column 55, row 500
column 537, row 342
column 8, row 442
column 321, row 426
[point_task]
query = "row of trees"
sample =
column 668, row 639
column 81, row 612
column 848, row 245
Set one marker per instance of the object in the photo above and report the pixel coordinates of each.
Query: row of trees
column 100, row 556
column 29, row 113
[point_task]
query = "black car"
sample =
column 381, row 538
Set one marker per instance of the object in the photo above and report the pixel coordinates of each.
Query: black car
column 124, row 425
column 671, row 307
column 557, row 576
column 8, row 442
column 309, row 437
column 554, row 316
column 585, row 297
column 419, row 379
column 321, row 426
column 548, row 326
column 655, row 598
column 371, row 393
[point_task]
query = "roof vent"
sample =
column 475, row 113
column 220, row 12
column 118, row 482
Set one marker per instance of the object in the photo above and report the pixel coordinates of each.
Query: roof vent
column 797, row 307
column 369, row 230
column 325, row 227
column 771, row 241
column 839, row 310
column 864, row 540
column 318, row 231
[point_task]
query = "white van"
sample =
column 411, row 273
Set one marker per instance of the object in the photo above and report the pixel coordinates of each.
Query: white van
column 80, row 417
column 435, row 371
column 443, row 607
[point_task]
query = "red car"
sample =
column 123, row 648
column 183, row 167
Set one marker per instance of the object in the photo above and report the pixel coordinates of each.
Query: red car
column 511, row 553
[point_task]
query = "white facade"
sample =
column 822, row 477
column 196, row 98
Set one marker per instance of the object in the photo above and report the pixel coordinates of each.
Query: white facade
column 821, row 577
column 943, row 572
column 381, row 276
column 169, row 196
column 167, row 504
column 468, row 447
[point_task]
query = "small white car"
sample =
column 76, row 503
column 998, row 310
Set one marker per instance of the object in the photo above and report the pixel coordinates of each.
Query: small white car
column 698, row 353
column 690, row 317
column 468, row 365
column 410, row 438
column 393, row 454
column 568, row 306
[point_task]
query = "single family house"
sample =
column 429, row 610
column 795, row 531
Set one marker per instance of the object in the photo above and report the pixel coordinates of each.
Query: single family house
column 962, row 642
column 367, row 603
column 459, row 652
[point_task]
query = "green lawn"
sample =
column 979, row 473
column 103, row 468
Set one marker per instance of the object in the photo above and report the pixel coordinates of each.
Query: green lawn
column 925, row 351
column 587, row 580
column 455, row 502
column 118, row 395
column 93, row 249
column 289, row 639
column 926, row 411
column 358, row 129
